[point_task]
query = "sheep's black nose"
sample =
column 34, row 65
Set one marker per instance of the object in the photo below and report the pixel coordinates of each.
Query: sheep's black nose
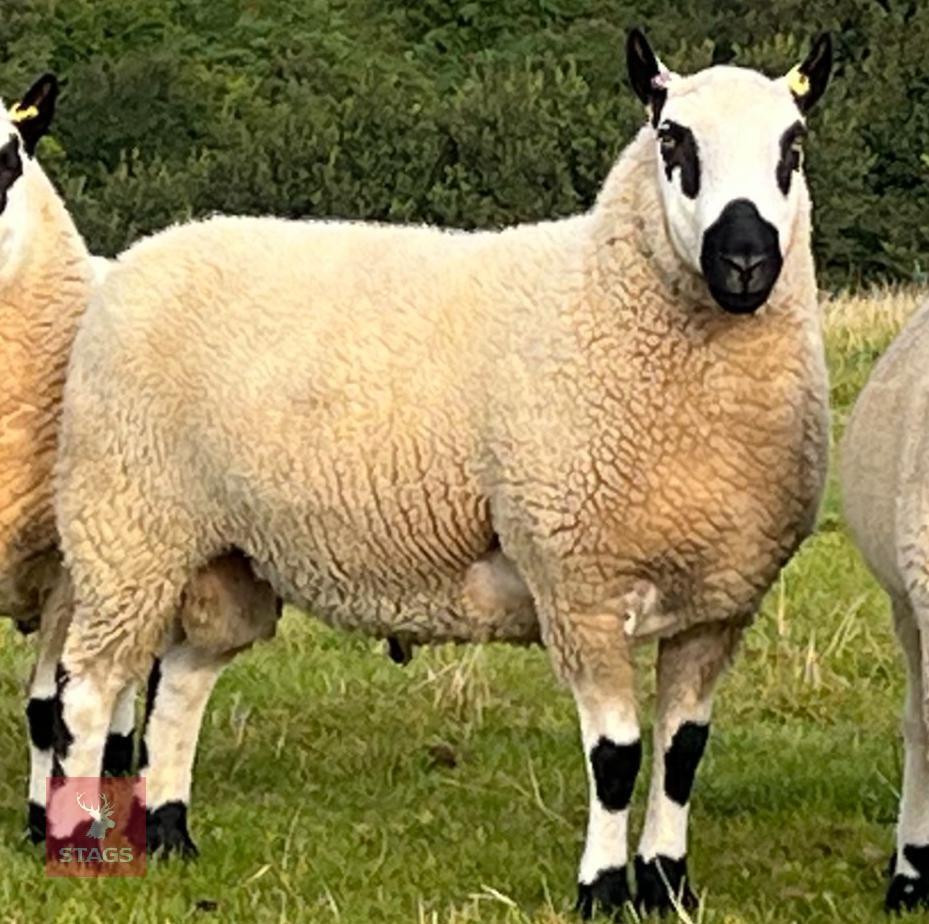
column 741, row 258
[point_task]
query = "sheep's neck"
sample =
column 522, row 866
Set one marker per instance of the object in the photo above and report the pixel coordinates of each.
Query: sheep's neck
column 638, row 283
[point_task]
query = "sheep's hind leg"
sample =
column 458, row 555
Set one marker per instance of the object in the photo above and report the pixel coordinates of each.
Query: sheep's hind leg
column 224, row 610
column 592, row 653
column 688, row 666
column 909, row 886
column 179, row 689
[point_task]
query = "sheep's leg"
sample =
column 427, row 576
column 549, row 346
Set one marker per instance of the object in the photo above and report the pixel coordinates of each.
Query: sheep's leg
column 600, row 674
column 179, row 688
column 117, row 754
column 103, row 651
column 40, row 710
column 909, row 886
column 86, row 697
column 689, row 665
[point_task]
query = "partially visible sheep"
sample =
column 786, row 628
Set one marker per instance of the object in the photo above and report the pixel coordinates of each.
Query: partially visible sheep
column 46, row 280
column 885, row 484
column 593, row 431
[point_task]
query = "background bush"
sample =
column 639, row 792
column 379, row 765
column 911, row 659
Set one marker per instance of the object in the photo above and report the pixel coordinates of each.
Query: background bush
column 474, row 114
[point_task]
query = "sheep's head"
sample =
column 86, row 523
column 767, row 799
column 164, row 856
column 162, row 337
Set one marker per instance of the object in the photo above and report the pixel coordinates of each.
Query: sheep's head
column 729, row 156
column 21, row 127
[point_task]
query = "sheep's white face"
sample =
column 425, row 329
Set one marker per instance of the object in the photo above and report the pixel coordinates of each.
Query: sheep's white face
column 20, row 130
column 14, row 205
column 729, row 167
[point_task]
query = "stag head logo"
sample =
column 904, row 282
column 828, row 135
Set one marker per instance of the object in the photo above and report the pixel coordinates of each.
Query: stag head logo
column 102, row 815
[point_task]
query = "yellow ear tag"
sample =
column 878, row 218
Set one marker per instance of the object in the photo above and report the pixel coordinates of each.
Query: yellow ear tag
column 798, row 82
column 18, row 114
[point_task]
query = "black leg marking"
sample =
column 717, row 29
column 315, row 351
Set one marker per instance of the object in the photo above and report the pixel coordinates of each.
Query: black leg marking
column 151, row 692
column 166, row 830
column 36, row 822
column 659, row 879
column 117, row 755
column 681, row 760
column 615, row 768
column 609, row 892
column 62, row 739
column 907, row 893
column 40, row 713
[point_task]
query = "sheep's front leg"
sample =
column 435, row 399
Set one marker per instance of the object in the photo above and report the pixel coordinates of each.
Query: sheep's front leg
column 596, row 660
column 117, row 754
column 179, row 689
column 689, row 665
column 85, row 699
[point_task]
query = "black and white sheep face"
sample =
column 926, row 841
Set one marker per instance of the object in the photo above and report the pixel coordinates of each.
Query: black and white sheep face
column 14, row 209
column 21, row 128
column 729, row 165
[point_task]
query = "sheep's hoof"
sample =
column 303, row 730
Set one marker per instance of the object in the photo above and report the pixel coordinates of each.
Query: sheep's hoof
column 662, row 882
column 608, row 893
column 907, row 893
column 36, row 822
column 166, row 831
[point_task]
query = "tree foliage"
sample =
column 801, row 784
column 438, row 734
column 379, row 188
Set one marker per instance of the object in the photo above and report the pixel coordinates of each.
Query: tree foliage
column 472, row 114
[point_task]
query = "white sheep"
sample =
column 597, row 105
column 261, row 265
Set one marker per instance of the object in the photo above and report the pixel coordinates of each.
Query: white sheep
column 46, row 278
column 594, row 431
column 884, row 472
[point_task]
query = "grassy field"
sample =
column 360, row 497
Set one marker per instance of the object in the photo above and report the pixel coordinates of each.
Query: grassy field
column 334, row 786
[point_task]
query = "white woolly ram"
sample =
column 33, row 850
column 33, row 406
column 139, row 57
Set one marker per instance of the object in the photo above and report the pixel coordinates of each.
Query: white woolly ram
column 541, row 432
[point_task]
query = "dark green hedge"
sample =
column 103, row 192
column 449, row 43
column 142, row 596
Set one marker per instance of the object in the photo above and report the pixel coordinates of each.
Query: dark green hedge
column 475, row 114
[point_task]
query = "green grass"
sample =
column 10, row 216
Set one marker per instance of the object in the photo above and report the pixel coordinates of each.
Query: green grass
column 334, row 786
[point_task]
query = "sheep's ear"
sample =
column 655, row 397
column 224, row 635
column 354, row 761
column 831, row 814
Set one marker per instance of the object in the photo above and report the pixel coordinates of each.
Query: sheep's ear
column 808, row 81
column 33, row 114
column 646, row 73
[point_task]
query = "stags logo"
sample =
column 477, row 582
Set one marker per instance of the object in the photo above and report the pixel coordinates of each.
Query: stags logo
column 102, row 816
column 95, row 826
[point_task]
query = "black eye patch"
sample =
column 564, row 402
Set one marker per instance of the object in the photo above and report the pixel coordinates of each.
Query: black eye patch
column 11, row 168
column 679, row 150
column 791, row 157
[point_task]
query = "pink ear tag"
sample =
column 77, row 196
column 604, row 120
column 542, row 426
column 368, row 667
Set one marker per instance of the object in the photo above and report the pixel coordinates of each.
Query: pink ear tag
column 661, row 80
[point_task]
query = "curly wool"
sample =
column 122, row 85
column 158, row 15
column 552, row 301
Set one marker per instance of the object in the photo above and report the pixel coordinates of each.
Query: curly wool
column 369, row 413
column 41, row 302
column 884, row 473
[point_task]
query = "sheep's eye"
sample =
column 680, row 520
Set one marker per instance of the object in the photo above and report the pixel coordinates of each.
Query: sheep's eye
column 679, row 152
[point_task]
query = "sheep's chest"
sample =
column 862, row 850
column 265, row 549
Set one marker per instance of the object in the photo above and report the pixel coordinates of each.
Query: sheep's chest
column 710, row 466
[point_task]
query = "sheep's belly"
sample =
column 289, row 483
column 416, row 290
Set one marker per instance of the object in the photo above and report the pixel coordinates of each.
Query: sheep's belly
column 478, row 603
column 431, row 573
